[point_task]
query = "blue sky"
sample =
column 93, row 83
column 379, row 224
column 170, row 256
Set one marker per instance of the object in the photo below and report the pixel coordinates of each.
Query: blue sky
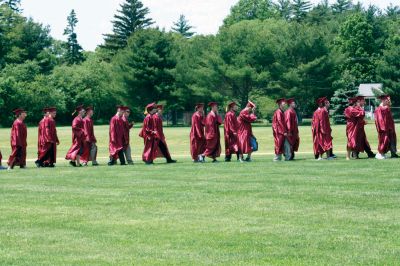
column 95, row 15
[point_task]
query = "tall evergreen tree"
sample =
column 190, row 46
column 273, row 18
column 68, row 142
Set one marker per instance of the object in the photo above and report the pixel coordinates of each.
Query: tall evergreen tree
column 341, row 6
column 392, row 11
column 74, row 50
column 13, row 4
column 284, row 9
column 345, row 88
column 300, row 9
column 131, row 17
column 182, row 27
column 249, row 10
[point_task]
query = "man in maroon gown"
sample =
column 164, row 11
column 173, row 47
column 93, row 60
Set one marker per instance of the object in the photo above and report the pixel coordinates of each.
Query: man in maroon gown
column 128, row 126
column 149, row 135
column 89, row 145
column 230, row 132
column 213, row 141
column 197, row 137
column 116, row 135
column 356, row 138
column 245, row 131
column 386, row 129
column 18, row 141
column 279, row 129
column 48, row 141
column 163, row 150
column 321, row 130
column 78, row 138
column 292, row 140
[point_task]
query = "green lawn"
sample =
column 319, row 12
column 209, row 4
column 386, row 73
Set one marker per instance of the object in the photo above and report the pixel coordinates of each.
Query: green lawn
column 289, row 213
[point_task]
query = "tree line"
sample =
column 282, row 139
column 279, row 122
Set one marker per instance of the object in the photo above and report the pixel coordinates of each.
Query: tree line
column 264, row 50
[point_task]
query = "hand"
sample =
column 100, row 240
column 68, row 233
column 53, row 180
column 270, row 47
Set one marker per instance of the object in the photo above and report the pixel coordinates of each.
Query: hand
column 285, row 134
column 57, row 142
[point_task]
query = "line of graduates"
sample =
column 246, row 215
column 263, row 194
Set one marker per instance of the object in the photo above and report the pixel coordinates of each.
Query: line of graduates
column 238, row 134
column 205, row 134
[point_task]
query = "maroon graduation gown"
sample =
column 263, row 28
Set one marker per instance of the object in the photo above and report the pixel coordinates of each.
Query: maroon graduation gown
column 279, row 129
column 322, row 132
column 116, row 135
column 292, row 129
column 213, row 142
column 149, row 135
column 48, row 139
column 230, row 133
column 18, row 144
column 197, row 137
column 158, row 123
column 245, row 131
column 386, row 129
column 89, row 139
column 78, row 138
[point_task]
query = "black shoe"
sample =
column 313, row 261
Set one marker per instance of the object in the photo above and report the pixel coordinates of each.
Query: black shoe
column 394, row 155
column 51, row 165
column 171, row 161
column 228, row 159
column 371, row 155
column 111, row 163
column 38, row 164
column 214, row 161
column 149, row 163
column 72, row 163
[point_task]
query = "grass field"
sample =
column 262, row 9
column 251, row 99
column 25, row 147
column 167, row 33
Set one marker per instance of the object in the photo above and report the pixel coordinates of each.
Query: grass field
column 290, row 213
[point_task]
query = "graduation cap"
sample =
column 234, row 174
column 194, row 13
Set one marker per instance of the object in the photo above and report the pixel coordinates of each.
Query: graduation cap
column 360, row 98
column 352, row 100
column 290, row 101
column 160, row 106
column 198, row 105
column 18, row 111
column 321, row 100
column 384, row 97
column 51, row 109
column 149, row 107
column 78, row 109
column 89, row 108
column 211, row 104
column 280, row 101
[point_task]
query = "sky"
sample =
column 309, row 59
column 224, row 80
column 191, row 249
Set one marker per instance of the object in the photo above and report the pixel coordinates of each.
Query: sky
column 95, row 15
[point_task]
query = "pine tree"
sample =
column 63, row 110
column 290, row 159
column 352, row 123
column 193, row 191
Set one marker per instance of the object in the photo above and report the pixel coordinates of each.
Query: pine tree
column 74, row 50
column 13, row 4
column 300, row 9
column 131, row 17
column 341, row 6
column 182, row 27
column 284, row 9
column 392, row 11
column 345, row 89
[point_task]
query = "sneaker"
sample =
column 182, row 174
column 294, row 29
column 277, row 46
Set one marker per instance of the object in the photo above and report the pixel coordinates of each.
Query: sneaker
column 201, row 159
column 9, row 168
column 380, row 156
column 277, row 158
column 241, row 160
column 215, row 161
column 38, row 165
column 321, row 159
column 333, row 156
column 95, row 164
column 394, row 155
column 72, row 163
column 131, row 163
column 171, row 161
column 84, row 164
column 149, row 163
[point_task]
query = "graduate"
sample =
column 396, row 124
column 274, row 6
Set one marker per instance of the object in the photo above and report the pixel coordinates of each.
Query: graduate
column 245, row 132
column 163, row 150
column 128, row 126
column 292, row 140
column 230, row 132
column 213, row 142
column 197, row 137
column 48, row 139
column 89, row 146
column 116, row 138
column 356, row 138
column 279, row 130
column 321, row 131
column 149, row 135
column 78, row 138
column 18, row 141
column 386, row 129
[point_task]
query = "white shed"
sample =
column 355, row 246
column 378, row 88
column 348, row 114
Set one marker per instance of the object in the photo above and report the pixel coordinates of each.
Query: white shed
column 367, row 90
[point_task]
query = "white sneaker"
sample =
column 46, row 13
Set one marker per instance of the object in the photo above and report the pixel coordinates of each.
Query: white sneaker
column 201, row 159
column 379, row 156
column 330, row 158
column 277, row 158
column 241, row 160
column 320, row 159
